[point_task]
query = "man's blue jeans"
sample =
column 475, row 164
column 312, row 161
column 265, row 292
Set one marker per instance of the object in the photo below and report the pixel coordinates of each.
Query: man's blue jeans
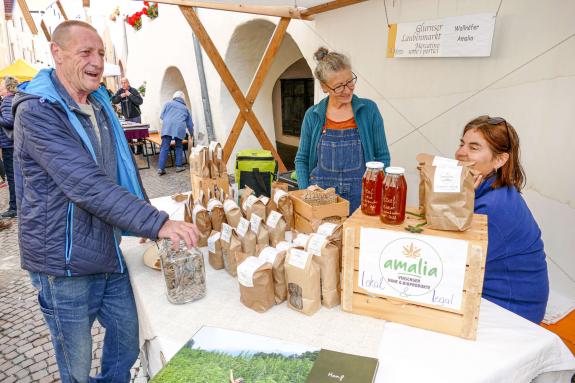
column 165, row 150
column 71, row 304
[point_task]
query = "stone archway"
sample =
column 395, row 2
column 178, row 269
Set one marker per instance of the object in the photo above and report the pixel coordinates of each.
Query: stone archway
column 243, row 54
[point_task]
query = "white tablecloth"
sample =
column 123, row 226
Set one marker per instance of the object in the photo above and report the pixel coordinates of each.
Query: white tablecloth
column 508, row 348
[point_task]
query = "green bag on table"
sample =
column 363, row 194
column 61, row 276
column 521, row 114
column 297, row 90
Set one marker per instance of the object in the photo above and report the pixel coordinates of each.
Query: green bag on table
column 256, row 168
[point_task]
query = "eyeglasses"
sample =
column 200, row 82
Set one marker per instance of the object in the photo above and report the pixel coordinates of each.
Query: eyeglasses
column 350, row 84
column 497, row 121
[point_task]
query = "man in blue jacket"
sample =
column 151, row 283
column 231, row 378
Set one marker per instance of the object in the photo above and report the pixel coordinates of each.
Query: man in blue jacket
column 77, row 188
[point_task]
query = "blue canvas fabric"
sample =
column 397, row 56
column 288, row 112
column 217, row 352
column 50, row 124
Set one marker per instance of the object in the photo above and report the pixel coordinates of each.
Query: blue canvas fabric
column 71, row 204
column 516, row 271
column 369, row 125
column 6, row 122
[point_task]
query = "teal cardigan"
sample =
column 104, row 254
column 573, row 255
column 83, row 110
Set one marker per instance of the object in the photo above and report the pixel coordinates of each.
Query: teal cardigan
column 369, row 123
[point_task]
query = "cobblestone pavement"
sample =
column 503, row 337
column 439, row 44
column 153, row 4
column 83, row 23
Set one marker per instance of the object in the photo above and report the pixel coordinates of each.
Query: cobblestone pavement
column 26, row 353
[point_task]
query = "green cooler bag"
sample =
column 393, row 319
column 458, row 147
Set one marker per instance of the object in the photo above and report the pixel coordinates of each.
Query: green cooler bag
column 256, row 168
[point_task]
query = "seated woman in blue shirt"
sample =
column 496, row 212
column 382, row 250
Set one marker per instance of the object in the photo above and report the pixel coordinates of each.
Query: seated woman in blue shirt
column 340, row 133
column 516, row 270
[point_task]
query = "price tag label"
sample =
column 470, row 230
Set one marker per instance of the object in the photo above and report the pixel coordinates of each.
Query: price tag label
column 298, row 258
column 255, row 221
column 273, row 219
column 226, row 232
column 243, row 227
column 212, row 242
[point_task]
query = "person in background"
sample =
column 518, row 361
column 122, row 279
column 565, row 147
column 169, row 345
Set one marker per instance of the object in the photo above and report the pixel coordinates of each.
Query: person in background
column 340, row 133
column 130, row 100
column 77, row 189
column 516, row 271
column 176, row 119
column 8, row 87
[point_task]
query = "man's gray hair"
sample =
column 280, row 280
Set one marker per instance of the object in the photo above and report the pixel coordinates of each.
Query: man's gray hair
column 179, row 94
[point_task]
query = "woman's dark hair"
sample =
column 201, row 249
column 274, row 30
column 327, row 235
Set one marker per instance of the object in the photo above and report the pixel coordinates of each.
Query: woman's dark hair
column 502, row 138
column 328, row 62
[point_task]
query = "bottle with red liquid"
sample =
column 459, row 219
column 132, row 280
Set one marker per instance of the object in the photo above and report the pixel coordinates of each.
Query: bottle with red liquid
column 372, row 187
column 394, row 196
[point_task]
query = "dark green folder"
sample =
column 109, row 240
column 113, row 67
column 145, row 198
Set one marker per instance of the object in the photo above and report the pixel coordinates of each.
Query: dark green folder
column 333, row 367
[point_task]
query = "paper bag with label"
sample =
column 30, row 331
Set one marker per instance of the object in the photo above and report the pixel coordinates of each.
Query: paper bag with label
column 303, row 281
column 217, row 167
column 256, row 283
column 260, row 230
column 449, row 196
column 251, row 204
column 246, row 237
column 326, row 255
column 276, row 185
column 229, row 244
column 217, row 214
column 201, row 218
column 276, row 227
column 215, row 256
column 233, row 212
column 284, row 205
column 276, row 258
column 199, row 160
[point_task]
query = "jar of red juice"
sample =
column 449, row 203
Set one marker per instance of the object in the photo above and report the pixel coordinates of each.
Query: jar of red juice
column 394, row 196
column 371, row 188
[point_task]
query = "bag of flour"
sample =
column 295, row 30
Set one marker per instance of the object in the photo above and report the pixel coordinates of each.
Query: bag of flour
column 246, row 237
column 303, row 281
column 230, row 246
column 277, row 227
column 276, row 258
column 215, row 257
column 256, row 283
column 326, row 255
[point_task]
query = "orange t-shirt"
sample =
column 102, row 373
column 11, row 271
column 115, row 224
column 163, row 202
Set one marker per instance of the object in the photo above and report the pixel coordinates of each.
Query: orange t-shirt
column 340, row 125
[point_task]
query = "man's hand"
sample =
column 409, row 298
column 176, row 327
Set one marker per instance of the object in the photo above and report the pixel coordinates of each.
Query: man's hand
column 125, row 94
column 178, row 230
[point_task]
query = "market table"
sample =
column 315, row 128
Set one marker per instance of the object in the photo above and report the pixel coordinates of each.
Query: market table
column 508, row 348
column 136, row 134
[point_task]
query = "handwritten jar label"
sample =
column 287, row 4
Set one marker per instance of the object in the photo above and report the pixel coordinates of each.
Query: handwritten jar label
column 298, row 258
column 246, row 271
column 273, row 219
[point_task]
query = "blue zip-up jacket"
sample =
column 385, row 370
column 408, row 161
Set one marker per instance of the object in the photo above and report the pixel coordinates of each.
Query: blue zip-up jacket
column 176, row 118
column 6, row 121
column 71, row 202
column 516, row 270
column 371, row 132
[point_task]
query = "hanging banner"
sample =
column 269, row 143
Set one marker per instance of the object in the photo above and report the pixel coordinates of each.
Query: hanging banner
column 414, row 267
column 460, row 36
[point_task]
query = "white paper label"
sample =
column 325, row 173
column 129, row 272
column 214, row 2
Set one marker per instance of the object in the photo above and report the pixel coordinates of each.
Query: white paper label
column 273, row 219
column 255, row 221
column 243, row 227
column 279, row 193
column 219, row 154
column 197, row 208
column 269, row 254
column 212, row 242
column 226, row 232
column 298, row 258
column 315, row 244
column 198, row 149
column 444, row 162
column 326, row 228
column 246, row 271
column 301, row 240
column 249, row 202
column 213, row 203
column 264, row 199
column 213, row 145
column 283, row 245
column 230, row 205
column 447, row 180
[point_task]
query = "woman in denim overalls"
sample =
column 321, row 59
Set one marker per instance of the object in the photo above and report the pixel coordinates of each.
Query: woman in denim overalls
column 340, row 133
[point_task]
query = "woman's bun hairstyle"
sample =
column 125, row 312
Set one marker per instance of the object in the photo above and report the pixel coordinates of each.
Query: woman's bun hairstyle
column 320, row 54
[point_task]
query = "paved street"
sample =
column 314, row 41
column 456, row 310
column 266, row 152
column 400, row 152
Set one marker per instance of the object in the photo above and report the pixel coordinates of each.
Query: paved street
column 26, row 353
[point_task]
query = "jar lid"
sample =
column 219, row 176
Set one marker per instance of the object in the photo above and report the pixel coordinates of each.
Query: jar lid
column 394, row 170
column 374, row 165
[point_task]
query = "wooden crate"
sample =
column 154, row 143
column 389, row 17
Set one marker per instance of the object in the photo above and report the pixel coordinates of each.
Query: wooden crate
column 461, row 323
column 340, row 208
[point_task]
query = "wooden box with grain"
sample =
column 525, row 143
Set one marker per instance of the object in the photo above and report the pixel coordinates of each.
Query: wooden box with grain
column 309, row 212
column 460, row 322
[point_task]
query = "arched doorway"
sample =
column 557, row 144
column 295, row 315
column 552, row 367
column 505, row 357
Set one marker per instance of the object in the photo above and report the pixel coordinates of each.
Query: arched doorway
column 243, row 55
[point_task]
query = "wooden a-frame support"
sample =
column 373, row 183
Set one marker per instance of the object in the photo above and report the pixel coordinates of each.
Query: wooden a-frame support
column 245, row 102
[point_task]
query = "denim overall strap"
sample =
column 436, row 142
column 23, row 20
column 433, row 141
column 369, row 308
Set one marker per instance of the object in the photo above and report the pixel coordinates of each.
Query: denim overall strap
column 340, row 164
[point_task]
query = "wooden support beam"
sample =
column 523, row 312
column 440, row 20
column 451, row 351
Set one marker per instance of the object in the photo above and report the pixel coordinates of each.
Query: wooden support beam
column 62, row 11
column 27, row 16
column 279, row 11
column 306, row 13
column 229, row 82
column 257, row 82
column 46, row 31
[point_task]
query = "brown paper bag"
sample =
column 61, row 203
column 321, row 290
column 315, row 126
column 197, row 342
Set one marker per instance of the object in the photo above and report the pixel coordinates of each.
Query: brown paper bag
column 233, row 212
column 277, row 227
column 326, row 255
column 276, row 258
column 199, row 160
column 246, row 237
column 256, row 283
column 449, row 197
column 251, row 204
column 303, row 281
column 260, row 230
column 230, row 249
column 275, row 185
column 217, row 214
column 215, row 256
column 284, row 205
column 201, row 218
